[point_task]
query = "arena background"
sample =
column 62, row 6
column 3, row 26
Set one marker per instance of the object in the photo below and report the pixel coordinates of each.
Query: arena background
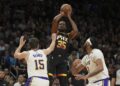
column 98, row 18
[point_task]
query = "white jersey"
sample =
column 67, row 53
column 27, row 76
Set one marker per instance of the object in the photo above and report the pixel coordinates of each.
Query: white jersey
column 37, row 63
column 89, row 62
column 17, row 84
column 118, row 77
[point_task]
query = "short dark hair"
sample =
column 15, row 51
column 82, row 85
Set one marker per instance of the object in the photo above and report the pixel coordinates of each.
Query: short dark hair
column 33, row 43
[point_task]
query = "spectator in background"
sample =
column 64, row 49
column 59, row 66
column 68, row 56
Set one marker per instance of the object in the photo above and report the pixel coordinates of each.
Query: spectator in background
column 13, row 64
column 8, row 77
column 11, row 81
column 20, row 81
column 118, row 76
column 2, row 47
column 70, row 82
column 21, row 67
column 56, row 82
column 2, row 76
column 6, row 71
column 112, row 73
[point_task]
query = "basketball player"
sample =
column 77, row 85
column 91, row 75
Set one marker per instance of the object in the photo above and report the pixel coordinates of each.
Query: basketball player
column 57, row 65
column 95, row 64
column 36, row 60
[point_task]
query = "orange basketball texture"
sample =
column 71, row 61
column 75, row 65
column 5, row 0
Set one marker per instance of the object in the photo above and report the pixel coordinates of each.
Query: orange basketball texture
column 74, row 64
column 66, row 8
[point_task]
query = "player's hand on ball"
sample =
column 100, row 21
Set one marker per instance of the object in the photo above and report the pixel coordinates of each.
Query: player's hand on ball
column 79, row 77
column 75, row 63
column 22, row 41
column 66, row 8
column 62, row 13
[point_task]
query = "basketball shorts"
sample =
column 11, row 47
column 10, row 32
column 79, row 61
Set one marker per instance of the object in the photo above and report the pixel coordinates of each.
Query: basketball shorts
column 58, row 66
column 37, row 81
column 102, row 82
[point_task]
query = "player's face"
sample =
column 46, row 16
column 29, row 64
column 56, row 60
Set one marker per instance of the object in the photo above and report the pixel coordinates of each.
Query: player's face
column 21, row 78
column 2, row 74
column 62, row 26
column 86, row 46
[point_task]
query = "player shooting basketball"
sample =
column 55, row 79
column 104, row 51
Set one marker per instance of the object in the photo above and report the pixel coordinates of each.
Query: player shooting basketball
column 58, row 61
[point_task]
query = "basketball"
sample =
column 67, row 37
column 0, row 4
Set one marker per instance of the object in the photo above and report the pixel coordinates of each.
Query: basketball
column 74, row 65
column 66, row 8
column 76, row 62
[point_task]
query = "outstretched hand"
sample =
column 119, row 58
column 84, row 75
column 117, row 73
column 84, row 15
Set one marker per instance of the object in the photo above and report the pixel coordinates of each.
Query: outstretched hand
column 22, row 41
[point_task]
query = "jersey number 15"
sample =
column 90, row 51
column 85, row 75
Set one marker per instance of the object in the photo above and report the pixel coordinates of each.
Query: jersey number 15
column 39, row 64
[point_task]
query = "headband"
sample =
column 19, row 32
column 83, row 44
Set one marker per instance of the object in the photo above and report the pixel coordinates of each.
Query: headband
column 88, row 40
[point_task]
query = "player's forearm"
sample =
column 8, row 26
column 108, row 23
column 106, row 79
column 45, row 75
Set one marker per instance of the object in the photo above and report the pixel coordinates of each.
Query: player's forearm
column 50, row 48
column 55, row 23
column 97, row 71
column 52, row 45
column 17, row 51
column 74, row 26
column 58, row 17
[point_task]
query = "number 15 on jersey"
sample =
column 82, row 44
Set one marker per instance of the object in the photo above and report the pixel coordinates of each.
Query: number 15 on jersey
column 39, row 64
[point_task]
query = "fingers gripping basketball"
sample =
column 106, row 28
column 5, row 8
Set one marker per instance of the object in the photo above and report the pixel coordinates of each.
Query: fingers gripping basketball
column 66, row 8
column 74, row 65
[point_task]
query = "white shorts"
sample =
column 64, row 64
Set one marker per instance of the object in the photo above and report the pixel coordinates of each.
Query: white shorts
column 37, row 81
column 104, row 82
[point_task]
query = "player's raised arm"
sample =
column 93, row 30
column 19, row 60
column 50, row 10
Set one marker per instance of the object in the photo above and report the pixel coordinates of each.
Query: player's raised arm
column 74, row 31
column 54, row 33
column 52, row 45
column 56, row 21
column 18, row 54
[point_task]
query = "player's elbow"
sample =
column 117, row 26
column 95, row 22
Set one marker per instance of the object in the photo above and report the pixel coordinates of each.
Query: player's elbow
column 15, row 55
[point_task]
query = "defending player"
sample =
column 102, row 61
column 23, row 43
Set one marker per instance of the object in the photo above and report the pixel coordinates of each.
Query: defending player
column 36, row 59
column 58, row 61
column 95, row 64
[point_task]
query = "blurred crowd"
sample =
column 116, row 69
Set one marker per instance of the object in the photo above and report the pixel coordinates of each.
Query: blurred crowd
column 94, row 18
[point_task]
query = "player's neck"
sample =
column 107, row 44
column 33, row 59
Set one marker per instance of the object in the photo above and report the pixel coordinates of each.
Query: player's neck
column 20, row 82
column 89, row 50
